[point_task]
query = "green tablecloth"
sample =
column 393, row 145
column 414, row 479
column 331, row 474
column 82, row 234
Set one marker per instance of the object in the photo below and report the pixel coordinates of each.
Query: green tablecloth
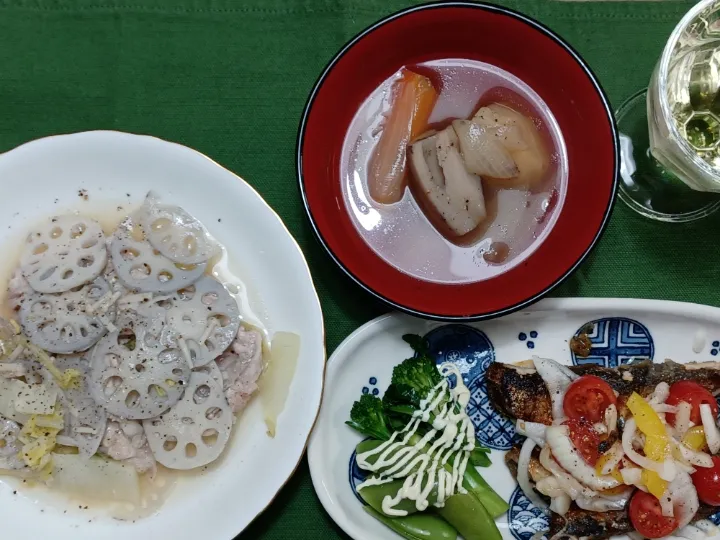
column 231, row 78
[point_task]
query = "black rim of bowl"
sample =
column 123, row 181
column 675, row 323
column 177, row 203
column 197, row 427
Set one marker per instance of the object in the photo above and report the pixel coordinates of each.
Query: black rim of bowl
column 533, row 24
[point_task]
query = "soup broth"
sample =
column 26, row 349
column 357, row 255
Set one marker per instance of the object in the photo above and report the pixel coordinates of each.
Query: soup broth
column 413, row 237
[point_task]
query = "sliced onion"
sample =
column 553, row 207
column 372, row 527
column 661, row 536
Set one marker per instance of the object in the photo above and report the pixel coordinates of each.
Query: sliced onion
column 684, row 467
column 605, row 504
column 691, row 532
column 693, row 457
column 631, row 476
column 558, row 439
column 569, row 373
column 708, row 527
column 532, row 430
column 549, row 487
column 614, row 457
column 682, row 418
column 660, row 394
column 560, row 504
column 666, row 505
column 684, row 497
column 666, row 469
column 64, row 440
column 663, row 408
column 571, row 486
column 557, row 378
column 523, row 476
column 712, row 434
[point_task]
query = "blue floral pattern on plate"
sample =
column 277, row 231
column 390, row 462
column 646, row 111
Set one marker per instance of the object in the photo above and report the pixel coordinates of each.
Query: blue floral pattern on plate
column 615, row 341
column 522, row 336
column 472, row 352
column 524, row 518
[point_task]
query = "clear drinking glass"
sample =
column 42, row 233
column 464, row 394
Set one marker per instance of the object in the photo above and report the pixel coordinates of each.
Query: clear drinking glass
column 670, row 133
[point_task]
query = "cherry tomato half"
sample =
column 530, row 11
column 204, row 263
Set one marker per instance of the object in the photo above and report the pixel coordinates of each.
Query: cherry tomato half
column 694, row 394
column 588, row 397
column 707, row 483
column 585, row 439
column 646, row 516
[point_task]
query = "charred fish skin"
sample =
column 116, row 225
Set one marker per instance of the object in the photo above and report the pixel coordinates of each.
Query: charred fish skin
column 517, row 393
column 704, row 373
column 520, row 393
column 578, row 523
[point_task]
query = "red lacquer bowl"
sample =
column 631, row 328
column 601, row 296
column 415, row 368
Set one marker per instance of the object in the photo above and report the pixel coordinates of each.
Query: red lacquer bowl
column 497, row 36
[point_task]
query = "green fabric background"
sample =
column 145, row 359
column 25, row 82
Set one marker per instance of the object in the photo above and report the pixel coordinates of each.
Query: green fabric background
column 231, row 78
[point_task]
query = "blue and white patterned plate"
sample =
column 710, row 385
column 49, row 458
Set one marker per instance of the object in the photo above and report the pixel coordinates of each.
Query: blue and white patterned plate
column 619, row 331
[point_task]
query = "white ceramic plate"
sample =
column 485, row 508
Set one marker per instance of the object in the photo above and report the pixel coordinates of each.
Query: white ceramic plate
column 364, row 361
column 115, row 170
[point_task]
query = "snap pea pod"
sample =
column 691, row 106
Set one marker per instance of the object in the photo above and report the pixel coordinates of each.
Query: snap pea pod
column 374, row 495
column 476, row 484
column 469, row 517
column 472, row 481
column 462, row 511
column 425, row 526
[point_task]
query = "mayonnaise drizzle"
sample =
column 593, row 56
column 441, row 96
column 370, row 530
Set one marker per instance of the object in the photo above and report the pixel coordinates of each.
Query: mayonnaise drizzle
column 452, row 434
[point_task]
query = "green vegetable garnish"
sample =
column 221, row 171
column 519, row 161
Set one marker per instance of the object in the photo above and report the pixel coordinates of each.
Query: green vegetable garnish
column 368, row 417
column 412, row 382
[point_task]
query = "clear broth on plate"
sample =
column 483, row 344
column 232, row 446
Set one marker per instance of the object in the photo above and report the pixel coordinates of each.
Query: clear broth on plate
column 518, row 219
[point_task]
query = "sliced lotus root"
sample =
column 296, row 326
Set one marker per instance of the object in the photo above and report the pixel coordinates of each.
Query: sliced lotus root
column 195, row 431
column 135, row 377
column 141, row 267
column 204, row 318
column 63, row 253
column 71, row 321
column 175, row 233
column 212, row 370
column 85, row 420
column 110, row 275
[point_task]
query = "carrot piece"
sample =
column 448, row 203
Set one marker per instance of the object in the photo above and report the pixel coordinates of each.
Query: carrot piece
column 413, row 102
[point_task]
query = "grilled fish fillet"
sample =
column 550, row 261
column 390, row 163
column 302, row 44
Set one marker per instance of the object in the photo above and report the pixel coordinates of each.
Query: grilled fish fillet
column 520, row 393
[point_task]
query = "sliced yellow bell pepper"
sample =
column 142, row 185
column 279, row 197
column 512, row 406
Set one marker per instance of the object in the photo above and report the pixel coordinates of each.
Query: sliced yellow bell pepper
column 657, row 445
column 695, row 439
column 654, row 483
column 615, row 473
